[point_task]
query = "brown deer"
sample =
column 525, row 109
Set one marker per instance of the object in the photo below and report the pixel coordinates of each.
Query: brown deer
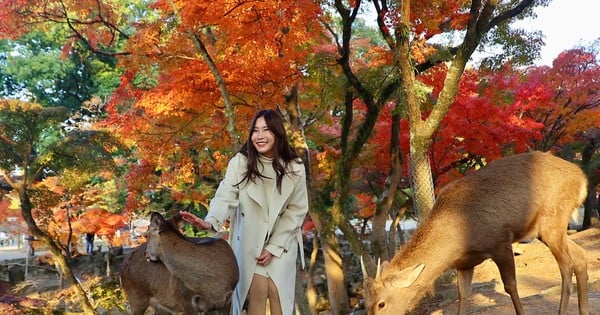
column 478, row 217
column 150, row 284
column 208, row 269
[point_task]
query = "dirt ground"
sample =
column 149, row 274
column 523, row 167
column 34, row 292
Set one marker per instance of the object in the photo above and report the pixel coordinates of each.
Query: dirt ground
column 538, row 281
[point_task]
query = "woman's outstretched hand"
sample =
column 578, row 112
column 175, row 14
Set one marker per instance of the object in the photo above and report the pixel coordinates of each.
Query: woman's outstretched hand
column 195, row 221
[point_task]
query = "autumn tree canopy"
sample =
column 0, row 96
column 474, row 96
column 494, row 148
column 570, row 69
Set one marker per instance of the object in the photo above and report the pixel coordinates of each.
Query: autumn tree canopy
column 389, row 100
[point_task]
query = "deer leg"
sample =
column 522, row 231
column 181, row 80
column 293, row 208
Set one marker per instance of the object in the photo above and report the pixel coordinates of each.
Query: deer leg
column 138, row 310
column 463, row 282
column 159, row 309
column 138, row 303
column 505, row 261
column 571, row 259
column 579, row 258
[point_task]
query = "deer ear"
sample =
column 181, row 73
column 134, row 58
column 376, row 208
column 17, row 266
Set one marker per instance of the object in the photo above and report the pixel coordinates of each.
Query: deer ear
column 177, row 220
column 156, row 221
column 407, row 276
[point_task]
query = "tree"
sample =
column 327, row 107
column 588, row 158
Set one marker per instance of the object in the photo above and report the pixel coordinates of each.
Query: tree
column 192, row 71
column 36, row 68
column 590, row 161
column 98, row 25
column 483, row 16
column 564, row 99
column 32, row 148
column 406, row 29
column 483, row 124
column 247, row 51
column 251, row 52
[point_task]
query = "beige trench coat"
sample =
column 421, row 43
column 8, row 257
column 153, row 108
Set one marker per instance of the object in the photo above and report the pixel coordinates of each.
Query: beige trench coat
column 253, row 227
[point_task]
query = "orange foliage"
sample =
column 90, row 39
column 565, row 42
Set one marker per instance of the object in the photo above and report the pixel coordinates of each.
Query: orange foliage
column 325, row 166
column 257, row 48
column 482, row 123
column 97, row 22
column 170, row 108
column 366, row 205
column 511, row 111
column 104, row 224
column 432, row 17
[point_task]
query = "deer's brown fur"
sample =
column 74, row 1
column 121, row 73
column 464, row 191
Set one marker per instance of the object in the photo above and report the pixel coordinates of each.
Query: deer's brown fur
column 150, row 284
column 209, row 269
column 479, row 217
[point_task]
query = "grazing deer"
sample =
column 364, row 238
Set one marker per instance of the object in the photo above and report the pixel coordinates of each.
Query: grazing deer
column 479, row 217
column 208, row 269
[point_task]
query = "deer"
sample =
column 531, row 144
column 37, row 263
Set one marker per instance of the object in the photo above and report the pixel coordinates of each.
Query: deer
column 209, row 269
column 478, row 217
column 150, row 284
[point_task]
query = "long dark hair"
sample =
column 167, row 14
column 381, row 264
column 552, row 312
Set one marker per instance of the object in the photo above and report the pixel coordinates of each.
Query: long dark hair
column 283, row 153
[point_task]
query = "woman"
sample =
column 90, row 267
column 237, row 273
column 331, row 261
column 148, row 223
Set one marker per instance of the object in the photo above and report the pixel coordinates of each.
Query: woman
column 265, row 197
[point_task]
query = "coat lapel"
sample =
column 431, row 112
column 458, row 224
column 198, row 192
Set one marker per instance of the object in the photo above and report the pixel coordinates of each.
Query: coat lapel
column 256, row 193
column 277, row 204
column 288, row 184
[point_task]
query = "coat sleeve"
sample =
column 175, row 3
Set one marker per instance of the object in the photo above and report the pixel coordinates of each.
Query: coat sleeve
column 226, row 198
column 291, row 219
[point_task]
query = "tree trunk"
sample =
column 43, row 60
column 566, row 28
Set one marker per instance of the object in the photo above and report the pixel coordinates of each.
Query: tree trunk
column 336, row 287
column 302, row 305
column 590, row 214
column 420, row 132
column 60, row 259
column 69, row 247
column 421, row 178
column 481, row 21
column 338, row 295
column 229, row 112
column 380, row 248
column 311, row 292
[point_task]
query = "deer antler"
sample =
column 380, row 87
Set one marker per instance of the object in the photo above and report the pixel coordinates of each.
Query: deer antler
column 363, row 268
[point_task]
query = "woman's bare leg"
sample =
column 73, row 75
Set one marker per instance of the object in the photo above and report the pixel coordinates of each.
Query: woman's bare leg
column 257, row 296
column 274, row 299
column 261, row 289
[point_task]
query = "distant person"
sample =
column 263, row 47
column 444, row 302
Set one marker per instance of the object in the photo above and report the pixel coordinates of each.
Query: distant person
column 30, row 239
column 89, row 243
column 3, row 238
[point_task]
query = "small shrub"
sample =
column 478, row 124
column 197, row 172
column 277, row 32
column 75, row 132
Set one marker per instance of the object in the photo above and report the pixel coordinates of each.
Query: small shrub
column 106, row 293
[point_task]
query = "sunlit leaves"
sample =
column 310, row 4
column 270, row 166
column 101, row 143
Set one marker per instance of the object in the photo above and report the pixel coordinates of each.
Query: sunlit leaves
column 432, row 17
column 54, row 167
column 176, row 119
column 170, row 110
column 100, row 24
column 23, row 126
column 564, row 97
column 38, row 66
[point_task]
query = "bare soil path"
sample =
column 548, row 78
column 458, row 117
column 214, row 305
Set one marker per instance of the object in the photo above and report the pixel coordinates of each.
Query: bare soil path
column 538, row 281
